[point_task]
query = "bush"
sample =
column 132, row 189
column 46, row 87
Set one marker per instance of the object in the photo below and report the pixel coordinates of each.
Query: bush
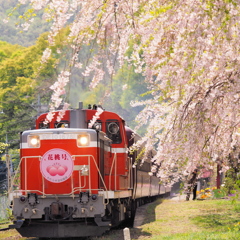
column 219, row 193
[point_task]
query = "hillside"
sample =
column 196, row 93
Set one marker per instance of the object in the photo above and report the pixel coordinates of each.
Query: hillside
column 10, row 33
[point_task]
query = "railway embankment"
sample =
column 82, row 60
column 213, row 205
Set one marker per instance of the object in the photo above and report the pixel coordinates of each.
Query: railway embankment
column 141, row 211
column 140, row 215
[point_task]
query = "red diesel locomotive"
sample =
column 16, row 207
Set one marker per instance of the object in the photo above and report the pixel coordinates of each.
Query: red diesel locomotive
column 78, row 181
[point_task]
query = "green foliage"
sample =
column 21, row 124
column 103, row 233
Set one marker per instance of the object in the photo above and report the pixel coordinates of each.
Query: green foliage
column 3, row 146
column 21, row 77
column 232, row 176
column 229, row 181
column 218, row 193
column 9, row 214
column 14, row 155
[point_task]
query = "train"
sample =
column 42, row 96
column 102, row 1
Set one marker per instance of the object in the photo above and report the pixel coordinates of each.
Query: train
column 78, row 179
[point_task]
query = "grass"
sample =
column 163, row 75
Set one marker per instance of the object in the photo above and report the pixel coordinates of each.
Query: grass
column 187, row 220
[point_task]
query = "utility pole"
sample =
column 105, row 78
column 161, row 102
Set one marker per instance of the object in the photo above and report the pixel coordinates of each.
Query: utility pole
column 8, row 165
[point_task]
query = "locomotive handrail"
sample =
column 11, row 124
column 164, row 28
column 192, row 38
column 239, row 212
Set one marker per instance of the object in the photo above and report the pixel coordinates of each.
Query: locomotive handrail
column 97, row 170
column 48, row 194
column 43, row 192
column 12, row 182
column 110, row 179
column 14, row 178
column 130, row 173
column 84, row 185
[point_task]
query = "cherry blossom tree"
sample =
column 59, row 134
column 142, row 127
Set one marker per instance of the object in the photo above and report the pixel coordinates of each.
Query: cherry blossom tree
column 188, row 52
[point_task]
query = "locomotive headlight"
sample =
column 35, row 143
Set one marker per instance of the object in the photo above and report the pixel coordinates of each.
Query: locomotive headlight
column 34, row 141
column 83, row 140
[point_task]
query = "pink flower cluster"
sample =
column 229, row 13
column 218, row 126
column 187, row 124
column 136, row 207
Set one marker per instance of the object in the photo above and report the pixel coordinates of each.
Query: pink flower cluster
column 58, row 90
column 46, row 55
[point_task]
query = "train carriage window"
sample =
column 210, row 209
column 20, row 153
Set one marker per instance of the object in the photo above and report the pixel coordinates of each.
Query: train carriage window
column 113, row 131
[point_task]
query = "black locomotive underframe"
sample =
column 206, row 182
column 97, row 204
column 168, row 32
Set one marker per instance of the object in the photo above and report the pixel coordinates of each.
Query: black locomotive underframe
column 61, row 229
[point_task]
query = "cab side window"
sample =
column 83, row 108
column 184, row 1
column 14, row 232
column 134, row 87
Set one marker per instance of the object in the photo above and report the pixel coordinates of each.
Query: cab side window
column 113, row 131
column 43, row 125
column 61, row 124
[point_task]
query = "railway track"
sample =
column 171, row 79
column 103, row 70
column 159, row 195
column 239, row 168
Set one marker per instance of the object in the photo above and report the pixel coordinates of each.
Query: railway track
column 8, row 233
column 4, row 229
column 2, row 226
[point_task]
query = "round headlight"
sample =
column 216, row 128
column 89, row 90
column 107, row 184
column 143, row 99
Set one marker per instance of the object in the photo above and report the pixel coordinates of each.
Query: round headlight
column 83, row 140
column 33, row 141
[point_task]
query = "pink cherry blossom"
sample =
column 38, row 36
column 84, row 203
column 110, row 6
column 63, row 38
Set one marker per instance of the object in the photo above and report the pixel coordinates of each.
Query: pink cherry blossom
column 46, row 55
column 95, row 117
column 188, row 52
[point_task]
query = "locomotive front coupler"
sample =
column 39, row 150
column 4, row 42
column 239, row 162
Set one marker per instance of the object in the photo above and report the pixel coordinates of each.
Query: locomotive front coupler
column 32, row 199
column 83, row 197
